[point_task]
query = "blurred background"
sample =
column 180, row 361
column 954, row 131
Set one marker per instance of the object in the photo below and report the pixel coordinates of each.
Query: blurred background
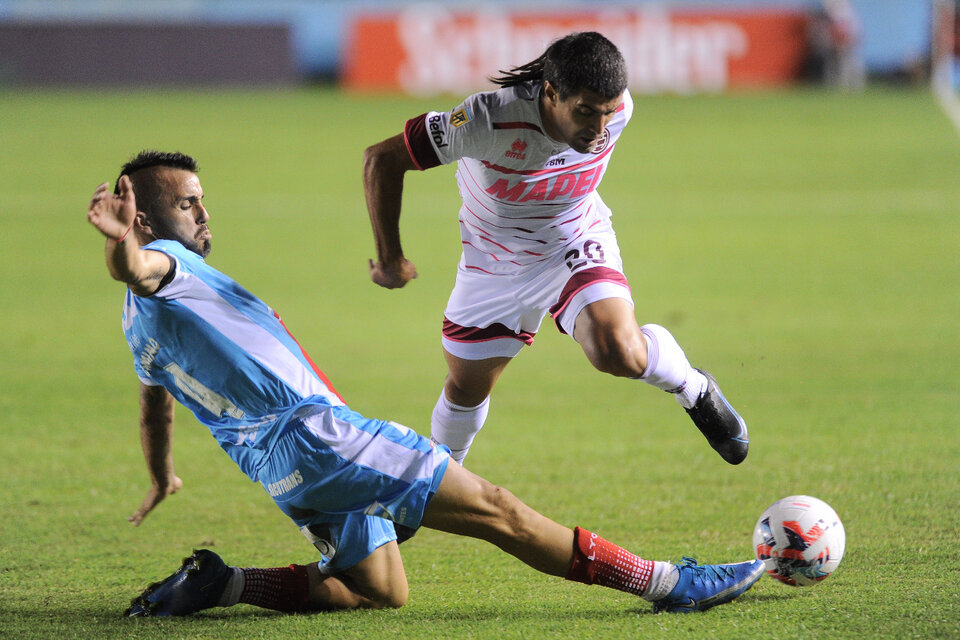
column 797, row 233
column 426, row 48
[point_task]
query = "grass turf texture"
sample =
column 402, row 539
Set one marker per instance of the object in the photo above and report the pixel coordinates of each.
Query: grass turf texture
column 802, row 246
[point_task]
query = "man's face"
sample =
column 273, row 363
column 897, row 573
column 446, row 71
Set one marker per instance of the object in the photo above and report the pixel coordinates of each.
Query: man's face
column 580, row 119
column 178, row 213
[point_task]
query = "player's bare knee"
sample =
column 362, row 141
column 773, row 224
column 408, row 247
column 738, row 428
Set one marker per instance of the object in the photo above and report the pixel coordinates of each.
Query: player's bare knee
column 617, row 351
column 513, row 515
column 391, row 595
column 393, row 598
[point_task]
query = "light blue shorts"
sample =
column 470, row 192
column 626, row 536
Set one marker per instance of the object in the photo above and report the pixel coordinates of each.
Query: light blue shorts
column 346, row 479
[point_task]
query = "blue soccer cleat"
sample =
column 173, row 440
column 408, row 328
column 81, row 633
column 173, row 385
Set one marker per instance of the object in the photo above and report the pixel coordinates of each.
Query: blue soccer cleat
column 702, row 587
column 724, row 428
column 197, row 584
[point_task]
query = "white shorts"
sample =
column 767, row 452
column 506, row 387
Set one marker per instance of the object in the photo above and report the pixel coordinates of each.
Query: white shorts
column 494, row 314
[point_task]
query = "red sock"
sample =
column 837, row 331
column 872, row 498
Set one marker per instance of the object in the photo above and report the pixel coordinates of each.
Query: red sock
column 597, row 561
column 282, row 589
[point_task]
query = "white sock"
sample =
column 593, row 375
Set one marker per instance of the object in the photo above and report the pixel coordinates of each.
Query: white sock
column 668, row 368
column 456, row 426
column 231, row 593
column 662, row 581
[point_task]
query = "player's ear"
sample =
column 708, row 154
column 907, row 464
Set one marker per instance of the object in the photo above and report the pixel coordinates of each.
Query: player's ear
column 142, row 224
column 550, row 92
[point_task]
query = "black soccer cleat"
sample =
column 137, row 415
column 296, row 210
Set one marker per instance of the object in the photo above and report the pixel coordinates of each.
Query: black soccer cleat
column 723, row 427
column 197, row 584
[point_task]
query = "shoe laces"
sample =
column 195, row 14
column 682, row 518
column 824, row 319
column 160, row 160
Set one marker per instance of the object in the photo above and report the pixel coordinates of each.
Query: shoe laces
column 711, row 572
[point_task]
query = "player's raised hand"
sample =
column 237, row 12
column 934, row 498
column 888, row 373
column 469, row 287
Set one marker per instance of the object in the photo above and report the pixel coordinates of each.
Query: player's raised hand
column 394, row 275
column 154, row 496
column 113, row 215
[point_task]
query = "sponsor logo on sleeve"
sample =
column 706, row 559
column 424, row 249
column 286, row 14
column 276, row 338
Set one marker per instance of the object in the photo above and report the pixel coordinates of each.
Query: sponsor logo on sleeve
column 435, row 124
column 461, row 117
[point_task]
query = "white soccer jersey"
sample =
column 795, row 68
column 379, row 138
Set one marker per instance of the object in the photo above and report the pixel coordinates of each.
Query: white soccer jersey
column 222, row 353
column 524, row 194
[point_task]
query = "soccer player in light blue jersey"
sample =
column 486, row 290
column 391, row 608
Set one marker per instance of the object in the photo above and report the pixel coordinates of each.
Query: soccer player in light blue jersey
column 348, row 482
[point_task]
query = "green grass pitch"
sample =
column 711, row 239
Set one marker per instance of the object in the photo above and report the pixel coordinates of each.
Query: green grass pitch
column 804, row 246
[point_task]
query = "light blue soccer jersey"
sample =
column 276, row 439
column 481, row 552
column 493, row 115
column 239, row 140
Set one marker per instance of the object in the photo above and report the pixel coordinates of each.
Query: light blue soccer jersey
column 224, row 354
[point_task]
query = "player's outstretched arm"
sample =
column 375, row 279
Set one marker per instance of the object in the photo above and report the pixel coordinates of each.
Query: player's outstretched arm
column 156, row 438
column 116, row 217
column 384, row 165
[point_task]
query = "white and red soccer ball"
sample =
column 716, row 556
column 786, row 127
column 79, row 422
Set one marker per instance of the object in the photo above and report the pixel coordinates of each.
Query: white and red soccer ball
column 800, row 540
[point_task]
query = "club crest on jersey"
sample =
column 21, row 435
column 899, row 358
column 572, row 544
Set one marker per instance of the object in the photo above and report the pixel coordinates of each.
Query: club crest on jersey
column 461, row 117
column 517, row 150
column 602, row 142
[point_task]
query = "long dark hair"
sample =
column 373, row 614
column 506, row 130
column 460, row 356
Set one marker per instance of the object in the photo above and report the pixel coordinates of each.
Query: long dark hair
column 584, row 60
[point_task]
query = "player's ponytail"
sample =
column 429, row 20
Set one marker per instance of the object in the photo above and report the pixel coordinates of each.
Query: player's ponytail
column 533, row 70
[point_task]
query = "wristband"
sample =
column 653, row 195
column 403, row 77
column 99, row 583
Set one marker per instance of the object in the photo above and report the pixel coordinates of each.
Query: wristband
column 123, row 237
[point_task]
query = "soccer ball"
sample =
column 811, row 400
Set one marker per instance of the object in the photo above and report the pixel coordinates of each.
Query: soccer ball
column 800, row 540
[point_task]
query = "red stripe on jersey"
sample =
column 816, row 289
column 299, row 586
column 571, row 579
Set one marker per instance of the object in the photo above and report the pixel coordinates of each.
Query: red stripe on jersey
column 541, row 172
column 486, row 253
column 580, row 281
column 313, row 365
column 487, row 222
column 517, row 125
column 489, row 273
column 458, row 333
column 417, row 140
column 495, row 243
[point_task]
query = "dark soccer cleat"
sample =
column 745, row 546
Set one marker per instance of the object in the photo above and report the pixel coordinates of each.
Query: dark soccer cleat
column 197, row 584
column 724, row 428
column 702, row 587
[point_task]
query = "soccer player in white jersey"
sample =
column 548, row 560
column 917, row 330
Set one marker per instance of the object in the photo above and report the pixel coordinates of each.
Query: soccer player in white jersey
column 536, row 237
column 350, row 483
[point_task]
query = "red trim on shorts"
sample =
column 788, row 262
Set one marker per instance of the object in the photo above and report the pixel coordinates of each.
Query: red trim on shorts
column 580, row 281
column 417, row 139
column 458, row 333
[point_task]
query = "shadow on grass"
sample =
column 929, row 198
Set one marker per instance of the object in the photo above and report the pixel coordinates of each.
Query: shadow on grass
column 96, row 621
column 782, row 594
column 72, row 618
column 54, row 620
